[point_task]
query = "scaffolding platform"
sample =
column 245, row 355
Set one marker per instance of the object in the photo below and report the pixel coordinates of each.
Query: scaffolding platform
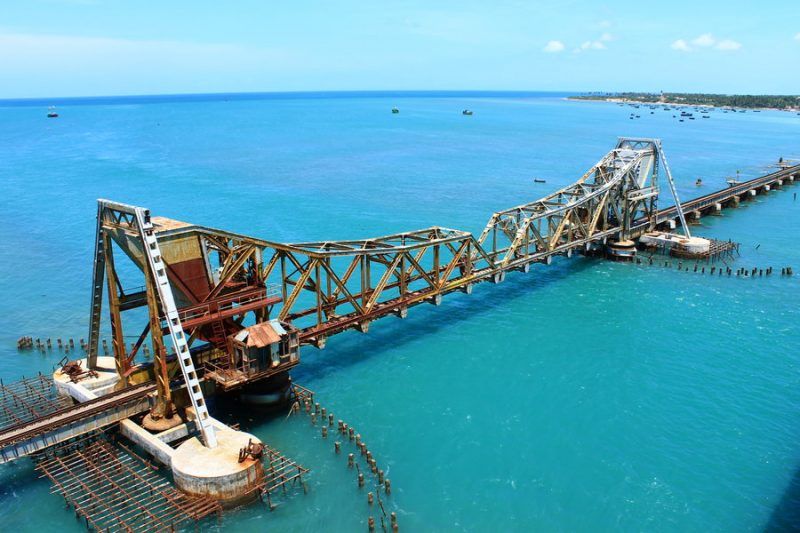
column 29, row 399
column 280, row 473
column 114, row 489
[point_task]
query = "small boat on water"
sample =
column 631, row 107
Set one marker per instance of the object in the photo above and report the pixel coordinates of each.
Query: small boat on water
column 699, row 182
column 51, row 112
column 395, row 111
column 466, row 112
column 539, row 180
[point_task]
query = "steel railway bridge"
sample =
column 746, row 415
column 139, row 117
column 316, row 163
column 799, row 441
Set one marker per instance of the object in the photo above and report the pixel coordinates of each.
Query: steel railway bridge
column 211, row 292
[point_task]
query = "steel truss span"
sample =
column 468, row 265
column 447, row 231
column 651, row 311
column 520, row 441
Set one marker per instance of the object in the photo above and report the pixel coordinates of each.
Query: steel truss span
column 323, row 288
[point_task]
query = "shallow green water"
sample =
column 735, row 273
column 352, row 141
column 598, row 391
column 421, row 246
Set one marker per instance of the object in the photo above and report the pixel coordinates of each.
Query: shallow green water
column 584, row 396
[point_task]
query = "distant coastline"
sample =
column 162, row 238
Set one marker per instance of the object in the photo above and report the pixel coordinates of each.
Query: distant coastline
column 775, row 102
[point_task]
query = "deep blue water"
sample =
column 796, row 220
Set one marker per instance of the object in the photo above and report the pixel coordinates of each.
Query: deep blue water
column 583, row 396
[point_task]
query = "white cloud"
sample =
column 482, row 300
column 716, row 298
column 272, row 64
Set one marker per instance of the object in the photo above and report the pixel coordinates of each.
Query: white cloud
column 553, row 47
column 797, row 37
column 728, row 45
column 604, row 24
column 681, row 45
column 704, row 40
column 606, row 37
column 593, row 45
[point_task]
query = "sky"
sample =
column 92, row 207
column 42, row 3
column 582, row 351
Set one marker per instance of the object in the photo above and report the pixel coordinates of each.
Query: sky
column 52, row 48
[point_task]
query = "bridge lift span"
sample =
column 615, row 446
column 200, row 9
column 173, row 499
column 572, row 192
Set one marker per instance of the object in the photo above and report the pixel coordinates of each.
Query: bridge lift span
column 211, row 292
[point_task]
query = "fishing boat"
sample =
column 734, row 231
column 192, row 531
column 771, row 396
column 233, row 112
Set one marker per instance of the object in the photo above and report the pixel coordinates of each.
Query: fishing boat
column 51, row 112
column 395, row 111
column 539, row 180
column 466, row 112
column 699, row 182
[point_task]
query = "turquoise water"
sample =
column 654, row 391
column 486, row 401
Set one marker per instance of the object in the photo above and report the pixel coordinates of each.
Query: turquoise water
column 583, row 396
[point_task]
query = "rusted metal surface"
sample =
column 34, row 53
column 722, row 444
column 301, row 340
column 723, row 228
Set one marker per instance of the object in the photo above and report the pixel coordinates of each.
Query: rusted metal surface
column 222, row 280
column 280, row 474
column 113, row 489
column 66, row 423
column 253, row 450
column 28, row 399
column 75, row 370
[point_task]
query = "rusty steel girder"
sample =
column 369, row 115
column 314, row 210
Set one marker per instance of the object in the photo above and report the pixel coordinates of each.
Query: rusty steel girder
column 322, row 288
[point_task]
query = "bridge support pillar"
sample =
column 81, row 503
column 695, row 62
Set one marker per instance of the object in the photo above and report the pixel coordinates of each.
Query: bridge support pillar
column 766, row 188
column 569, row 253
column 779, row 184
column 548, row 259
column 696, row 216
column 792, row 177
column 735, row 201
column 751, row 192
column 467, row 288
column 526, row 268
column 436, row 299
column 363, row 326
column 498, row 277
column 217, row 472
column 402, row 312
column 717, row 208
column 672, row 224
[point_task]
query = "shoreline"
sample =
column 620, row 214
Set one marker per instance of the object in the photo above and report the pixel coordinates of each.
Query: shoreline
column 617, row 100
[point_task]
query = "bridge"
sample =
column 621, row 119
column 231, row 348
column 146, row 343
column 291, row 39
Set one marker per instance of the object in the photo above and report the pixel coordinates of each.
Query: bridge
column 203, row 285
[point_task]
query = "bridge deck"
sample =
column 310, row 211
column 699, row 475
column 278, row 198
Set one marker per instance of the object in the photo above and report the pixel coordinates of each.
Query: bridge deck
column 30, row 436
column 726, row 195
column 42, row 428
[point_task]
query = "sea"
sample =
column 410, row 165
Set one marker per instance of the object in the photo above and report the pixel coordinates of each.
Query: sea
column 582, row 396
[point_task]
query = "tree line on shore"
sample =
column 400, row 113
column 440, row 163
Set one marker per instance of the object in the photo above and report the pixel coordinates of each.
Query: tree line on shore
column 754, row 101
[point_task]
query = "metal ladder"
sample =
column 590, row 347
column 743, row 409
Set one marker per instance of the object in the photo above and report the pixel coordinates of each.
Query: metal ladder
column 97, row 290
column 176, row 333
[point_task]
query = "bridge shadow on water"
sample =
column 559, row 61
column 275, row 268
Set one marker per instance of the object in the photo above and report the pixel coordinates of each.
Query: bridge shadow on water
column 786, row 515
column 426, row 319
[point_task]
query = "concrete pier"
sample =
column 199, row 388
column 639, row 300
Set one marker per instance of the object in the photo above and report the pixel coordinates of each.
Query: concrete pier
column 217, row 472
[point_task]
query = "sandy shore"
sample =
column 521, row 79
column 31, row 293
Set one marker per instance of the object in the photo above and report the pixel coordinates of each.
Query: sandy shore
column 676, row 104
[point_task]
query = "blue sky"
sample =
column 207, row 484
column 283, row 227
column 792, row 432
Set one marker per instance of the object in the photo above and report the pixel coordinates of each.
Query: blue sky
column 97, row 47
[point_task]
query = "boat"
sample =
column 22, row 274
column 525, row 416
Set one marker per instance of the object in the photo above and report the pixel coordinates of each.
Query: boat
column 539, row 180
column 731, row 182
column 699, row 182
column 466, row 112
column 395, row 111
column 705, row 116
column 51, row 112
